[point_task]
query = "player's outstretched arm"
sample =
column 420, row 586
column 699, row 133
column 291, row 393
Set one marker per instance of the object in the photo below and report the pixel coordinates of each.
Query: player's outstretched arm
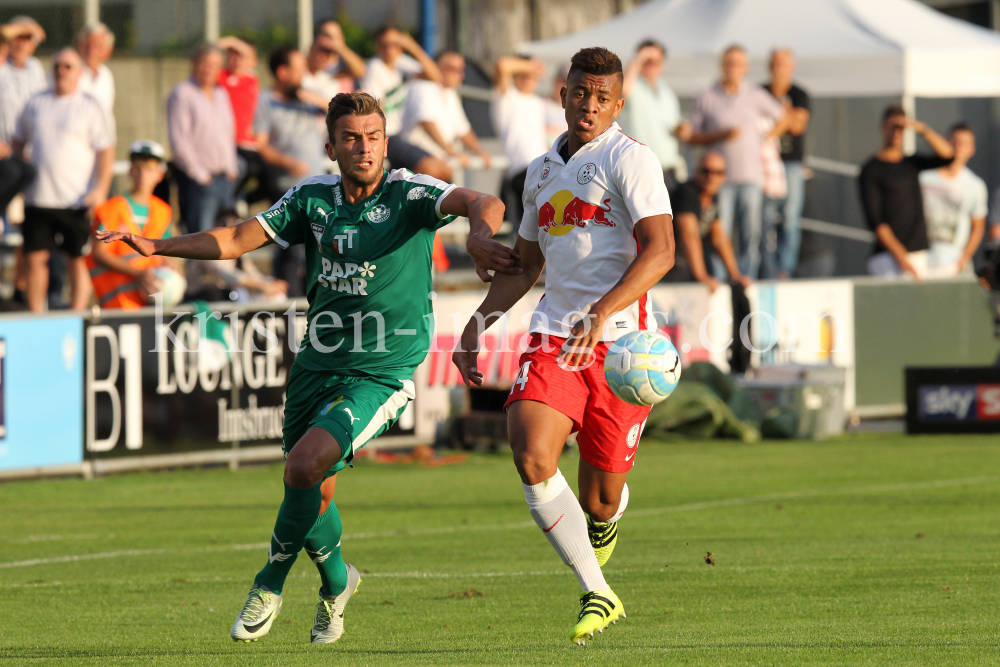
column 505, row 290
column 219, row 243
column 655, row 235
column 485, row 214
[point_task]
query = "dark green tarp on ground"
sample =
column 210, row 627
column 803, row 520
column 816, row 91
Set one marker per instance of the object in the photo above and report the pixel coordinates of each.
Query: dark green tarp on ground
column 707, row 403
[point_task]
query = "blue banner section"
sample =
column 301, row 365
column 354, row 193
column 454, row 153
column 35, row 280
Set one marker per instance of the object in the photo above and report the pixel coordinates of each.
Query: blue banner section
column 41, row 391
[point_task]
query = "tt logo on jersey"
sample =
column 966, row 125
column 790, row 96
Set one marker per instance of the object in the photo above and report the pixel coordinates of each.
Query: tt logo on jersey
column 586, row 173
column 564, row 212
column 338, row 240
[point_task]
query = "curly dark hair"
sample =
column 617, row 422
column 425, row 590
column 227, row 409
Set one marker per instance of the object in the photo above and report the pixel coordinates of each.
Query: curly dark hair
column 596, row 60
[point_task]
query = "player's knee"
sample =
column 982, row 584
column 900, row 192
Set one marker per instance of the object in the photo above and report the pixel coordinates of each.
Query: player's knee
column 532, row 468
column 38, row 258
column 303, row 471
column 600, row 503
column 597, row 510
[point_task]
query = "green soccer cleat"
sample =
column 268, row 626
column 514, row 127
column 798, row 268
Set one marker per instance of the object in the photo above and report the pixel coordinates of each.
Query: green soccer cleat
column 603, row 537
column 329, row 624
column 258, row 614
column 598, row 610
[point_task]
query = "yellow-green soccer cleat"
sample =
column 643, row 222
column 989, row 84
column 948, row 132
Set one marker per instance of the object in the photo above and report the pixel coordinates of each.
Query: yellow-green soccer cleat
column 258, row 614
column 598, row 610
column 603, row 537
column 329, row 624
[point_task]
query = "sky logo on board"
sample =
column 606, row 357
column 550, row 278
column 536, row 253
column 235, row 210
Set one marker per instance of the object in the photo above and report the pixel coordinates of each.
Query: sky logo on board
column 948, row 402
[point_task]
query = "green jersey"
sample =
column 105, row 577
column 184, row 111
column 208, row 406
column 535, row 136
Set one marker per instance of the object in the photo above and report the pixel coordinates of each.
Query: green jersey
column 368, row 268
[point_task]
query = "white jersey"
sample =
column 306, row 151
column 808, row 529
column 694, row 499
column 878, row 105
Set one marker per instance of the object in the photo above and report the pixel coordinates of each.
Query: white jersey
column 582, row 213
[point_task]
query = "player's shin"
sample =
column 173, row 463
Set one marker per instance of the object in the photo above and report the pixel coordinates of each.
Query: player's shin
column 323, row 547
column 621, row 506
column 604, row 534
column 557, row 512
column 296, row 517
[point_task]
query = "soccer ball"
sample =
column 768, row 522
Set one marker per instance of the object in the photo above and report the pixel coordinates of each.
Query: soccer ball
column 642, row 368
column 172, row 285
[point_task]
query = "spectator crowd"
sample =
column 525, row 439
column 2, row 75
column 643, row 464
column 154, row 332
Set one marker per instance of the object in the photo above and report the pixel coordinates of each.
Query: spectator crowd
column 234, row 145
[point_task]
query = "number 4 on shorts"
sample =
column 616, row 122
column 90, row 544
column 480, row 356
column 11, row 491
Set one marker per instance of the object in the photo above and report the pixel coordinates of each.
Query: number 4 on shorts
column 522, row 376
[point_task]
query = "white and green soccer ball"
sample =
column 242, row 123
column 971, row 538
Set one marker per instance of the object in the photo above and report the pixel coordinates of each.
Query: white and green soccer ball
column 172, row 286
column 642, row 368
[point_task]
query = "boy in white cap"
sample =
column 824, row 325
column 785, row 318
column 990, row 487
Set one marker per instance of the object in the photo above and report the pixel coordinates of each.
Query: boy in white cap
column 122, row 278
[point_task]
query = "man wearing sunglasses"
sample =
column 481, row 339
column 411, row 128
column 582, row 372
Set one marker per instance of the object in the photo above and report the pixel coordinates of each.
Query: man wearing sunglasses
column 892, row 200
column 333, row 66
column 698, row 229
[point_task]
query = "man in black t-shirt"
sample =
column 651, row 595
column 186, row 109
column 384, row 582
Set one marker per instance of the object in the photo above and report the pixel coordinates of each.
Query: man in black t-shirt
column 891, row 197
column 781, row 234
column 697, row 227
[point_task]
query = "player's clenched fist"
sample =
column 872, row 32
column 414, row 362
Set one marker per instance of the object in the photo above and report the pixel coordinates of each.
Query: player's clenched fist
column 490, row 255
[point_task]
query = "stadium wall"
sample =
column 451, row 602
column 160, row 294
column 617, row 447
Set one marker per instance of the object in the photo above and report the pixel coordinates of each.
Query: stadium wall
column 128, row 390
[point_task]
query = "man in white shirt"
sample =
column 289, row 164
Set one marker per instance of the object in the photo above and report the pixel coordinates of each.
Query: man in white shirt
column 21, row 76
column 955, row 207
column 73, row 151
column 598, row 219
column 434, row 118
column 652, row 111
column 399, row 59
column 96, row 43
column 519, row 116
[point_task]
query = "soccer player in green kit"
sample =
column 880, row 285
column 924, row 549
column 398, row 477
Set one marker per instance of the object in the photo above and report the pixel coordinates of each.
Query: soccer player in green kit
column 368, row 237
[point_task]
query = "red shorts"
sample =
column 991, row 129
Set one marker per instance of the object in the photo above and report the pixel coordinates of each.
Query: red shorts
column 608, row 427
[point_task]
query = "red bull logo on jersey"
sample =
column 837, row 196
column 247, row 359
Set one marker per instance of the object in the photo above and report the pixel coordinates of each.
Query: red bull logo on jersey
column 565, row 212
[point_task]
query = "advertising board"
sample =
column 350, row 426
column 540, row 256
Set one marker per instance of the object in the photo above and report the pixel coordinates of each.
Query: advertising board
column 187, row 381
column 953, row 400
column 41, row 398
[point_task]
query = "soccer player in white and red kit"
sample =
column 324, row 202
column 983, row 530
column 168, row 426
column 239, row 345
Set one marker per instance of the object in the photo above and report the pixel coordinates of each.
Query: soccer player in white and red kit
column 597, row 217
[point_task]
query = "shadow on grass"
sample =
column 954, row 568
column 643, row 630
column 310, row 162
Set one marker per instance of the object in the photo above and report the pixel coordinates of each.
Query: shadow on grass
column 237, row 506
column 12, row 653
column 26, row 653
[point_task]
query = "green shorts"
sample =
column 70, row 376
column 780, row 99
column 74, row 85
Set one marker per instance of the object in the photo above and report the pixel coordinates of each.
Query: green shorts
column 351, row 409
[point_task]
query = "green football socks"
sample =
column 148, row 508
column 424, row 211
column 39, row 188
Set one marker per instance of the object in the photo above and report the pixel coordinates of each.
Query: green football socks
column 299, row 511
column 323, row 546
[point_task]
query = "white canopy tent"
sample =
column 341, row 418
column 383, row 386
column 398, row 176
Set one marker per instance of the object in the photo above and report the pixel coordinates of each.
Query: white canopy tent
column 844, row 48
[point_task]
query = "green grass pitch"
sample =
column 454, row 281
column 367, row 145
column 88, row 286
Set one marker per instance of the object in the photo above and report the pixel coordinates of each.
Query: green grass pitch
column 867, row 550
